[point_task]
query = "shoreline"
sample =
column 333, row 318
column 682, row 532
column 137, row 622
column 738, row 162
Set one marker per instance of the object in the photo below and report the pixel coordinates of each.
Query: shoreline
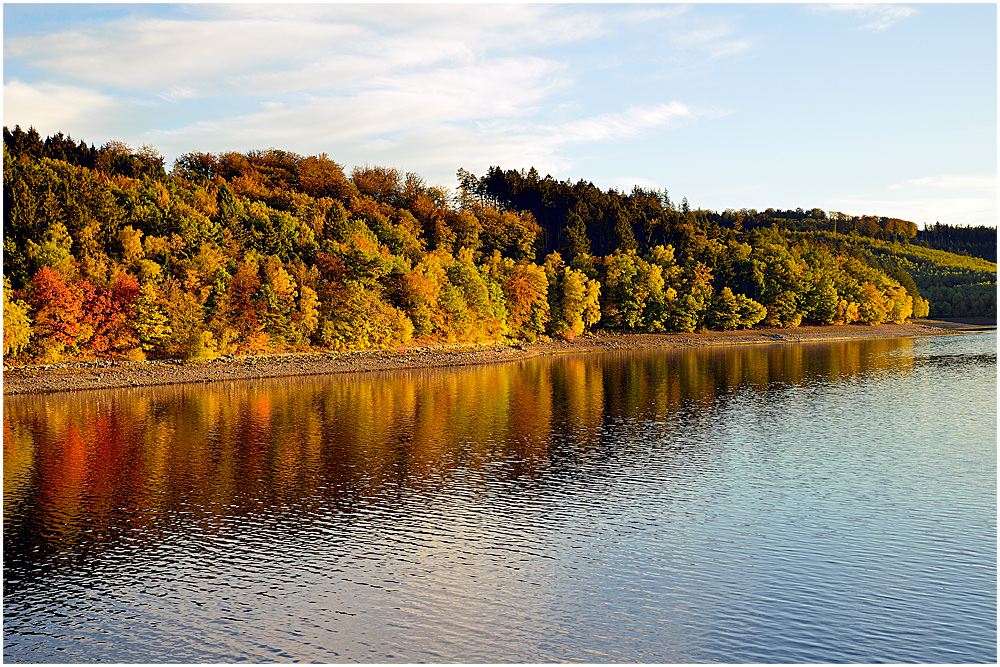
column 115, row 374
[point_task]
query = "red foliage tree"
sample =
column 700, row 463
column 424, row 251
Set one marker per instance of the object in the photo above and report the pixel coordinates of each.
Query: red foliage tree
column 57, row 307
column 107, row 314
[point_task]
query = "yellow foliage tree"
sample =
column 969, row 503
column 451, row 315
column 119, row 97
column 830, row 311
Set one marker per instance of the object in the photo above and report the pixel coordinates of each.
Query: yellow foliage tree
column 871, row 305
column 16, row 323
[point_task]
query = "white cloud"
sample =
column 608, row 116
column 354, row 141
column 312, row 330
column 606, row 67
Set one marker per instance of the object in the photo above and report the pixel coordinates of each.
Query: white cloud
column 695, row 46
column 489, row 26
column 627, row 124
column 966, row 199
column 52, row 108
column 208, row 56
column 387, row 105
column 177, row 93
column 715, row 40
column 396, row 130
column 267, row 49
column 877, row 17
column 968, row 182
column 432, row 86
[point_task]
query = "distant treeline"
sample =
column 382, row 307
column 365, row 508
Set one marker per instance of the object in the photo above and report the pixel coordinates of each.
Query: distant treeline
column 653, row 217
column 108, row 254
column 112, row 158
column 973, row 241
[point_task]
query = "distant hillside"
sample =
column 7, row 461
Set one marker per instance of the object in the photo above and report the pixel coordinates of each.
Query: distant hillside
column 973, row 241
column 955, row 285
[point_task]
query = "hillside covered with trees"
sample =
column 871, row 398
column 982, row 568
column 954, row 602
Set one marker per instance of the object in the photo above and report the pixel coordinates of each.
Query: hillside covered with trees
column 108, row 254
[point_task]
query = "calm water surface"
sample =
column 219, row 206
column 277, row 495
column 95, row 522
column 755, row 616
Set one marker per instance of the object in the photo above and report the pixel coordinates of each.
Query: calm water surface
column 827, row 502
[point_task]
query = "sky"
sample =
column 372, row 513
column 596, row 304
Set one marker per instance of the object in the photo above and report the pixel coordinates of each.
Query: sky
column 864, row 109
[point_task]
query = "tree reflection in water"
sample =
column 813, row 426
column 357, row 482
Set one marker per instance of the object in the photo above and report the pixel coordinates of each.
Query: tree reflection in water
column 75, row 463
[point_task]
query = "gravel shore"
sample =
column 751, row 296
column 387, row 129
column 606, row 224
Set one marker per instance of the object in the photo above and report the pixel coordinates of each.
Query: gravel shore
column 105, row 374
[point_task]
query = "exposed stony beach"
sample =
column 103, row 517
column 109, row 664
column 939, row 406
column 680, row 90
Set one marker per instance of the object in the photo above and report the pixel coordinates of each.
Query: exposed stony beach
column 105, row 374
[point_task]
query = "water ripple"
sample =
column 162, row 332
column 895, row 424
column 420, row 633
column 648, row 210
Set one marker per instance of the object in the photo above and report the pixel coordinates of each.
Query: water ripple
column 718, row 505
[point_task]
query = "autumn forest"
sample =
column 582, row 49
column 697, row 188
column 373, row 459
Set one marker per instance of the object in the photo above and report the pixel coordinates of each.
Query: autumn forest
column 107, row 254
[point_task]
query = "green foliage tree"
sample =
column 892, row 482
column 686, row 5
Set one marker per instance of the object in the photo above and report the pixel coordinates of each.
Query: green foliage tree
column 724, row 313
column 749, row 312
column 54, row 251
column 693, row 299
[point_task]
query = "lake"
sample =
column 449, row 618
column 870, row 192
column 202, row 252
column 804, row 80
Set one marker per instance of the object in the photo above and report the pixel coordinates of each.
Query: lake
column 825, row 502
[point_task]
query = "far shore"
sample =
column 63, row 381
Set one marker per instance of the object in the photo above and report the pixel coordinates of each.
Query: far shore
column 111, row 374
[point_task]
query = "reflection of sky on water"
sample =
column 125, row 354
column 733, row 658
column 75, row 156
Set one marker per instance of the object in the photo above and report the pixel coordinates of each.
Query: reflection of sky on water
column 737, row 504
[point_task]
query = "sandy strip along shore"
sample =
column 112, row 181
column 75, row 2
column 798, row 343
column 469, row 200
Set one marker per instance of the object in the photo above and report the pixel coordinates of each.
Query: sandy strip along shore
column 105, row 374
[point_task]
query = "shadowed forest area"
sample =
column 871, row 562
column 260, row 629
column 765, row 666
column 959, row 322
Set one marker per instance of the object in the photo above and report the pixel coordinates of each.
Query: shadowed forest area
column 109, row 255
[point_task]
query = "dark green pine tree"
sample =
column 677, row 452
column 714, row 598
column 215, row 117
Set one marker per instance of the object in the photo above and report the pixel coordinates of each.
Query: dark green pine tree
column 624, row 236
column 575, row 241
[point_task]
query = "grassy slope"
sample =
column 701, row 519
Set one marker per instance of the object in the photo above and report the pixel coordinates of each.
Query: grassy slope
column 955, row 285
